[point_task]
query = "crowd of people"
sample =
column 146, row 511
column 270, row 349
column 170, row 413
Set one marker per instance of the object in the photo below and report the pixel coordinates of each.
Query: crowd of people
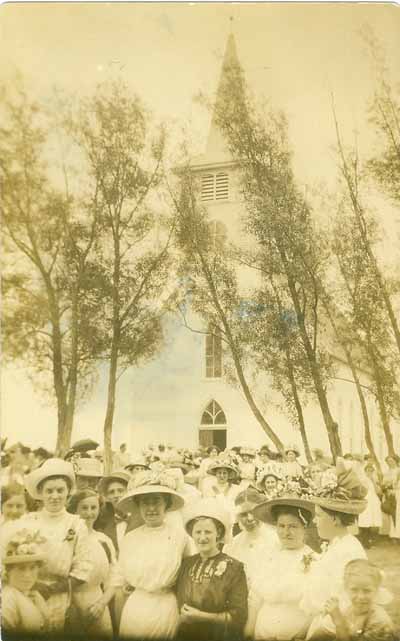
column 195, row 545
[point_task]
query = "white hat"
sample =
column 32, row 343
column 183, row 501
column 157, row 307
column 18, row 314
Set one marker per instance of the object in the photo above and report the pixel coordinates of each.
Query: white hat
column 51, row 467
column 269, row 469
column 209, row 508
column 148, row 482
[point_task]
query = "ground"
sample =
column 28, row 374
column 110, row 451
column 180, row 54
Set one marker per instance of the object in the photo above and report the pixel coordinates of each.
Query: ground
column 386, row 555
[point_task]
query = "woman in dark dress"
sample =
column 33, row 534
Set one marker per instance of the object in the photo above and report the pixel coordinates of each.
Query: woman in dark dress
column 211, row 586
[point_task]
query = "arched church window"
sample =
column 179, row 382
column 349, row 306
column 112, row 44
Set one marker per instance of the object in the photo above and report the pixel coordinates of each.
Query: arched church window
column 213, row 353
column 213, row 415
column 215, row 186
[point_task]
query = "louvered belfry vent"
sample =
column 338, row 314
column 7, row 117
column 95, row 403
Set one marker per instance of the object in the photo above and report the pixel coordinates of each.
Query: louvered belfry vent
column 221, row 187
column 215, row 187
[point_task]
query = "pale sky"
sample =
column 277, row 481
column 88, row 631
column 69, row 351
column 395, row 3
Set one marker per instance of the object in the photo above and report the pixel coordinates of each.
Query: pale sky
column 295, row 54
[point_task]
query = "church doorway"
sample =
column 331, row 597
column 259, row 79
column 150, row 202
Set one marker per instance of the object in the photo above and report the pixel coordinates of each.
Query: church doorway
column 213, row 426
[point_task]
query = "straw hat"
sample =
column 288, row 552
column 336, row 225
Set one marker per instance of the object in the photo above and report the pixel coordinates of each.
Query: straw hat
column 208, row 508
column 346, row 494
column 119, row 476
column 223, row 463
column 24, row 547
column 159, row 482
column 88, row 467
column 292, row 448
column 297, row 494
column 137, row 460
column 265, row 511
column 269, row 469
column 51, row 467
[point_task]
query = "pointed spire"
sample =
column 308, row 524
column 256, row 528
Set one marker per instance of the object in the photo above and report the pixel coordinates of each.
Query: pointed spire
column 216, row 142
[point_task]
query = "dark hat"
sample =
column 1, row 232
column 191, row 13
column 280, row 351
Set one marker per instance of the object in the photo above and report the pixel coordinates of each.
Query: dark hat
column 247, row 500
column 346, row 494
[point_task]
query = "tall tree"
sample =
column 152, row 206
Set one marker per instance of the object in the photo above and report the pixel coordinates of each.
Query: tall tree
column 364, row 309
column 280, row 221
column 350, row 170
column 123, row 156
column 47, row 237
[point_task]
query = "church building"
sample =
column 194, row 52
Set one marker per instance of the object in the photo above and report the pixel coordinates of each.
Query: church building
column 183, row 398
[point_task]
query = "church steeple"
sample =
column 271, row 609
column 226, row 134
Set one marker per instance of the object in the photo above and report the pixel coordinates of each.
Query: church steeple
column 216, row 142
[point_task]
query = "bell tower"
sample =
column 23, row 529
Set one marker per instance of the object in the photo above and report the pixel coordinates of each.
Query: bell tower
column 216, row 168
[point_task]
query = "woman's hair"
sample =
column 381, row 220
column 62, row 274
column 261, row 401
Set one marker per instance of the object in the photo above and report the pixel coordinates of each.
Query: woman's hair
column 5, row 571
column 218, row 526
column 77, row 497
column 212, row 448
column 363, row 567
column 13, row 489
column 304, row 516
column 54, row 478
column 167, row 499
column 345, row 519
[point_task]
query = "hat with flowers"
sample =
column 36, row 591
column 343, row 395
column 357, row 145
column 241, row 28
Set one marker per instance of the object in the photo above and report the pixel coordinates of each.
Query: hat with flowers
column 24, row 546
column 293, row 492
column 343, row 492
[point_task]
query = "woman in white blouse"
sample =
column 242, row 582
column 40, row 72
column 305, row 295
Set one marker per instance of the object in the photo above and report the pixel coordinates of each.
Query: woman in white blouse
column 67, row 560
column 150, row 557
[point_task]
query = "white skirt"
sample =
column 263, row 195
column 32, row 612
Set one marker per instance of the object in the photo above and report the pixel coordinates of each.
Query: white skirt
column 149, row 615
column 280, row 621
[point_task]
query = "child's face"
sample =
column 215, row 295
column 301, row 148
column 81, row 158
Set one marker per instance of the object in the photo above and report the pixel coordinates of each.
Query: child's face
column 23, row 576
column 361, row 591
column 14, row 507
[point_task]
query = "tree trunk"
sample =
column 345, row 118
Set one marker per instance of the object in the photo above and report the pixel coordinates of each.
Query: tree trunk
column 299, row 410
column 109, row 417
column 114, row 354
column 63, row 441
column 353, row 369
column 73, row 370
column 381, row 401
column 238, row 366
column 331, row 425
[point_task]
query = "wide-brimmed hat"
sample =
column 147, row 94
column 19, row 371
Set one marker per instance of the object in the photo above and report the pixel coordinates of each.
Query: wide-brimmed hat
column 293, row 493
column 345, row 494
column 269, row 469
column 24, row 546
column 265, row 511
column 223, row 463
column 207, row 508
column 119, row 476
column 247, row 500
column 90, row 467
column 292, row 448
column 150, row 482
column 137, row 460
column 51, row 467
